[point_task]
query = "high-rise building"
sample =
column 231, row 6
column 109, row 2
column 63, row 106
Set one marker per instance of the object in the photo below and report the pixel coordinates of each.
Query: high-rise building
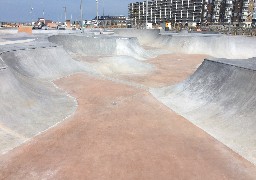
column 237, row 12
column 247, row 11
column 179, row 11
column 193, row 12
column 229, row 7
column 254, row 14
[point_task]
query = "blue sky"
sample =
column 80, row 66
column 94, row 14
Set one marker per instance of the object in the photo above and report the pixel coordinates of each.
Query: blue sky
column 20, row 10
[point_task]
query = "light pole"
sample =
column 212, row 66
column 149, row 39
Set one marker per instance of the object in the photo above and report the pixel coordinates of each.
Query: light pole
column 147, row 14
column 103, row 14
column 97, row 11
column 81, row 13
column 31, row 14
column 65, row 12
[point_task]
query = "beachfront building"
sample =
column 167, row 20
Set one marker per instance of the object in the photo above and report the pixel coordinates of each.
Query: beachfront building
column 175, row 11
column 237, row 12
column 112, row 21
column 254, row 14
column 233, row 12
column 247, row 12
column 193, row 12
column 228, row 8
column 218, row 11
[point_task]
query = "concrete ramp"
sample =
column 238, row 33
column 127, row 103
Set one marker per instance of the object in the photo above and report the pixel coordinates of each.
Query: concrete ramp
column 220, row 46
column 101, row 46
column 220, row 98
column 145, row 36
column 28, row 107
column 123, row 65
column 30, row 102
column 46, row 63
column 215, row 45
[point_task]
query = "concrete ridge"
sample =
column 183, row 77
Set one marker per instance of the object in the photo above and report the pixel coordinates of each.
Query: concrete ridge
column 231, row 63
column 231, row 47
column 29, row 48
column 220, row 99
column 102, row 46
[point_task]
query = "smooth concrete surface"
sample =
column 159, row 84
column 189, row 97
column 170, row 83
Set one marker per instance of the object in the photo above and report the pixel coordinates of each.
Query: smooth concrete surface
column 220, row 46
column 101, row 45
column 219, row 98
column 43, row 63
column 28, row 107
column 30, row 102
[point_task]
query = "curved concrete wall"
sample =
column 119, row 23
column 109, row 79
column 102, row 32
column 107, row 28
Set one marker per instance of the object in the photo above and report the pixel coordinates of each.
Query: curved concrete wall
column 220, row 46
column 145, row 36
column 43, row 63
column 215, row 45
column 220, row 98
column 101, row 46
column 30, row 102
column 28, row 107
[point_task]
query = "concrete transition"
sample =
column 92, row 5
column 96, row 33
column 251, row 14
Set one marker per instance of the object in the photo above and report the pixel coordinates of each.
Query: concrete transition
column 117, row 55
column 122, row 65
column 219, row 98
column 215, row 45
column 46, row 63
column 145, row 36
column 101, row 46
column 27, row 72
column 30, row 103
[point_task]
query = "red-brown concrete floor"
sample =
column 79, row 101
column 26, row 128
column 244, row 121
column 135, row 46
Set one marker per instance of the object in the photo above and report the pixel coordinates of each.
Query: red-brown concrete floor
column 120, row 132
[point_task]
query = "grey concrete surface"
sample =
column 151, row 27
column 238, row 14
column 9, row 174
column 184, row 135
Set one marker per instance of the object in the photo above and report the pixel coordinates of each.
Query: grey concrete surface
column 101, row 45
column 30, row 102
column 123, row 65
column 145, row 36
column 44, row 63
column 28, row 106
column 219, row 98
column 220, row 46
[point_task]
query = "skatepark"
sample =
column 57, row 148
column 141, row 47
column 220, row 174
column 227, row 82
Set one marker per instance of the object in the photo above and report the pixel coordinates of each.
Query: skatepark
column 130, row 104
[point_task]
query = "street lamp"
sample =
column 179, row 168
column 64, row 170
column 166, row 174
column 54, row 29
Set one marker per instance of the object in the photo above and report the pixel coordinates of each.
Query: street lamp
column 31, row 14
column 81, row 13
column 103, row 14
column 97, row 11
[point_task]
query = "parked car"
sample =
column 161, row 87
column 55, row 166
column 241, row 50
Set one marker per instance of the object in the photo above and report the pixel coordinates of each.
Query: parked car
column 45, row 28
column 61, row 27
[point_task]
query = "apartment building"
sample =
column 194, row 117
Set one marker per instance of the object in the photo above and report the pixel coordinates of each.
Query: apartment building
column 176, row 11
column 233, row 11
column 228, row 8
column 254, row 14
column 247, row 11
column 237, row 12
column 193, row 12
